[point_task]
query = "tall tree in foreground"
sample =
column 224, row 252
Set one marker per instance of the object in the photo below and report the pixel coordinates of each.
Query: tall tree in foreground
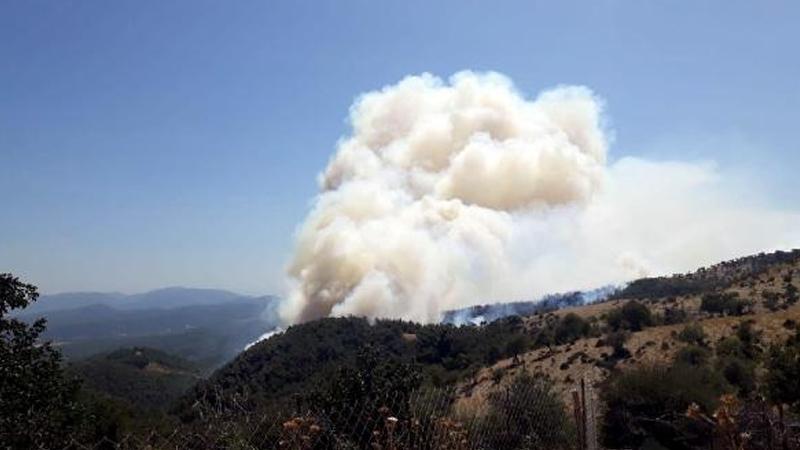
column 38, row 405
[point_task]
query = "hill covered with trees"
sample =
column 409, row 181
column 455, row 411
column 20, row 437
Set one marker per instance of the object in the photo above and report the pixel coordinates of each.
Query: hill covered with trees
column 707, row 359
column 145, row 378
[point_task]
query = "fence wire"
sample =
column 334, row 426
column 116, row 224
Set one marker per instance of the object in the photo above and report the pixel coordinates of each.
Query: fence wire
column 527, row 417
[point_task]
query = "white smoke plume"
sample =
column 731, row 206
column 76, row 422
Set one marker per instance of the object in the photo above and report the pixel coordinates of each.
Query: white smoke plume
column 454, row 193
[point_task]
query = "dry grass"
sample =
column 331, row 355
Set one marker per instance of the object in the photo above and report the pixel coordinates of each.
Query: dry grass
column 566, row 365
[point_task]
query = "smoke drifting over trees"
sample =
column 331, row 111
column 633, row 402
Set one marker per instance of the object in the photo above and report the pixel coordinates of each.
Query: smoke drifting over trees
column 447, row 194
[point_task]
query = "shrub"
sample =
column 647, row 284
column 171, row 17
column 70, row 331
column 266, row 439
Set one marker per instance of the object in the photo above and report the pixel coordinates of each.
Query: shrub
column 724, row 303
column 369, row 385
column 783, row 372
column 633, row 316
column 692, row 355
column 529, row 414
column 750, row 339
column 616, row 340
column 731, row 347
column 571, row 328
column 771, row 300
column 740, row 374
column 791, row 294
column 692, row 334
column 675, row 315
column 651, row 402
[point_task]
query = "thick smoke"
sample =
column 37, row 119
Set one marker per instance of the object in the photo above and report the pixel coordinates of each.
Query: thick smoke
column 451, row 194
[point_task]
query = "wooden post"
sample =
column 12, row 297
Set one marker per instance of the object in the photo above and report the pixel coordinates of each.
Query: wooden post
column 579, row 426
column 588, row 438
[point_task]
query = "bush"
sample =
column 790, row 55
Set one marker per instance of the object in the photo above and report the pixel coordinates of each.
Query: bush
column 370, row 385
column 651, row 403
column 730, row 347
column 791, row 294
column 571, row 328
column 529, row 414
column 771, row 300
column 750, row 339
column 724, row 303
column 783, row 373
column 692, row 355
column 616, row 340
column 633, row 316
column 692, row 334
column 673, row 316
column 740, row 374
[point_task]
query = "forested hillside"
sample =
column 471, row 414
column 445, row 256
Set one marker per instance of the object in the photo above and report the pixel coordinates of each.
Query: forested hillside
column 727, row 329
column 691, row 361
column 145, row 378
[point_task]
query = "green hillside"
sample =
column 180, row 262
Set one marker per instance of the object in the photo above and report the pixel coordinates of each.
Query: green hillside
column 145, row 378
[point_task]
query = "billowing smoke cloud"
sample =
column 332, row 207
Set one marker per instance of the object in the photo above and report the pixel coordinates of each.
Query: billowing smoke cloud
column 450, row 194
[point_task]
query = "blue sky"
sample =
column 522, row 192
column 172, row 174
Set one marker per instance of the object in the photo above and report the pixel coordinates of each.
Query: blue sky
column 145, row 144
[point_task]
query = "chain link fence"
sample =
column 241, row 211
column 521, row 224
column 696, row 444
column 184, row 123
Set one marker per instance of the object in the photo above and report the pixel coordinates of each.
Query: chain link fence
column 522, row 415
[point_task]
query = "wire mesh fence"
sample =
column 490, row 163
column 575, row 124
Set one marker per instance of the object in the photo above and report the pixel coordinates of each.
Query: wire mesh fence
column 522, row 415
column 525, row 415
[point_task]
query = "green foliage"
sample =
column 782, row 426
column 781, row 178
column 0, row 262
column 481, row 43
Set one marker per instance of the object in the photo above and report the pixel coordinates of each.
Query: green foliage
column 39, row 406
column 706, row 280
column 652, row 288
column 374, row 386
column 771, row 300
column 616, row 340
column 730, row 347
column 740, row 373
column 791, row 294
column 311, row 354
column 144, row 357
column 517, row 346
column 571, row 328
column 783, row 372
column 633, row 316
column 674, row 316
column 724, row 303
column 693, row 355
column 737, row 357
column 692, row 334
column 146, row 378
column 527, row 415
column 750, row 340
column 651, row 403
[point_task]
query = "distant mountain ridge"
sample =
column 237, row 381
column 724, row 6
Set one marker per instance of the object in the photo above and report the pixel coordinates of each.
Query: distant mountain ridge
column 206, row 326
column 169, row 297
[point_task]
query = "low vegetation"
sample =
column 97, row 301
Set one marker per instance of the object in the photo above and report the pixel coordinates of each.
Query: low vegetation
column 704, row 360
